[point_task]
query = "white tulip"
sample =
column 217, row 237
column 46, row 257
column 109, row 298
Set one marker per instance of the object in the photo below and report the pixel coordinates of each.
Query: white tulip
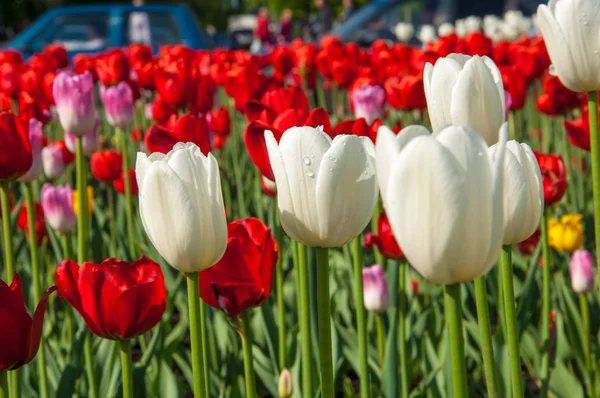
column 404, row 31
column 326, row 190
column 444, row 204
column 181, row 206
column 460, row 28
column 465, row 91
column 388, row 147
column 445, row 29
column 523, row 192
column 426, row 34
column 571, row 33
column 473, row 24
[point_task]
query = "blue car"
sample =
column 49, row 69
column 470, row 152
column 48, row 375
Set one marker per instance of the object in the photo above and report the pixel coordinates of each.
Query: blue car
column 94, row 28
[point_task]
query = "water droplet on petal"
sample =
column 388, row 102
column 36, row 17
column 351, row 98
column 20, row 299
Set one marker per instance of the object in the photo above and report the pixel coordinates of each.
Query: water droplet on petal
column 306, row 160
column 310, row 174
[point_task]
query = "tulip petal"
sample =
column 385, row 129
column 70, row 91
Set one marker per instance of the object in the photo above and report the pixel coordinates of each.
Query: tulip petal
column 170, row 217
column 440, row 81
column 346, row 190
column 485, row 115
column 425, row 227
column 35, row 334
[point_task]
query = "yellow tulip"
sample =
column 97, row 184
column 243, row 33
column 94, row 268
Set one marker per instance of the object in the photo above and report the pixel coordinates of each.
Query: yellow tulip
column 566, row 235
column 90, row 195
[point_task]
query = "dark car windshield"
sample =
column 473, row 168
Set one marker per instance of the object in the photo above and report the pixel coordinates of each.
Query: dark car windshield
column 76, row 32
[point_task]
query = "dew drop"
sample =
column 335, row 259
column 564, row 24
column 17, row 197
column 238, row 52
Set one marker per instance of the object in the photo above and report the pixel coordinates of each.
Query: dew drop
column 310, row 174
column 312, row 156
column 331, row 169
column 306, row 160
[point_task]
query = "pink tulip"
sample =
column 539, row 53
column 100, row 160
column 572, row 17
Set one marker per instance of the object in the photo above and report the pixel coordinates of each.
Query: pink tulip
column 35, row 138
column 118, row 104
column 53, row 161
column 74, row 98
column 368, row 102
column 89, row 141
column 375, row 289
column 57, row 202
column 582, row 271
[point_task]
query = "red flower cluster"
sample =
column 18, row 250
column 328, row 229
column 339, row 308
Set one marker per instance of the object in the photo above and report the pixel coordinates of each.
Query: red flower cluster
column 15, row 148
column 243, row 278
column 384, row 239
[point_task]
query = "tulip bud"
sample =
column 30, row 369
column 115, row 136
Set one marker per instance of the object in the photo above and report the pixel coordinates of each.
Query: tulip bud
column 53, row 162
column 449, row 88
column 582, row 271
column 523, row 193
column 89, row 141
column 566, row 235
column 181, row 206
column 315, row 177
column 445, row 29
column 414, row 284
column 74, row 99
column 375, row 289
column 426, row 34
column 57, row 203
column 118, row 103
column 35, row 138
column 285, row 386
column 368, row 102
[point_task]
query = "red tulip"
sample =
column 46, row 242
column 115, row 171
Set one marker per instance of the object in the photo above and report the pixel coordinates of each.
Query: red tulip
column 33, row 105
column 119, row 183
column 477, row 43
column 384, row 240
column 67, row 156
column 528, row 246
column 15, row 149
column 40, row 224
column 578, row 130
column 187, row 128
column 406, row 93
column 10, row 56
column 161, row 111
column 554, row 177
column 244, row 84
column 283, row 59
column 174, row 82
column 84, row 62
column 9, row 79
column 116, row 299
column 357, row 127
column 58, row 56
column 414, row 284
column 106, row 166
column 20, row 333
column 516, row 84
column 243, row 278
column 220, row 123
column 112, row 68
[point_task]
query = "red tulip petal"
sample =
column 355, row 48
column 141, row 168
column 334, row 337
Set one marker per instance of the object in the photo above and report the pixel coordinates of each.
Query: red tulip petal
column 254, row 138
column 66, row 279
column 35, row 334
column 159, row 139
column 319, row 117
column 296, row 99
column 12, row 349
column 235, row 298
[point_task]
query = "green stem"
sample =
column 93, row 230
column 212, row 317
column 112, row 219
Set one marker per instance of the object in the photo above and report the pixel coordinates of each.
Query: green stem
column 239, row 186
column 380, row 338
column 126, row 369
column 203, row 336
column 506, row 271
column 390, row 366
column 7, row 230
column 195, row 334
column 453, row 314
column 279, row 279
column 546, row 254
column 324, row 321
column 110, row 198
column 361, row 325
column 82, row 253
column 403, row 349
column 487, row 350
column 89, row 366
column 248, row 357
column 4, row 384
column 304, row 296
column 66, row 246
column 595, row 150
column 587, row 342
column 128, row 196
column 375, row 229
column 37, row 285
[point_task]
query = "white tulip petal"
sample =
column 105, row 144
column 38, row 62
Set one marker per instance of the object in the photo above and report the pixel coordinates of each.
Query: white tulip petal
column 425, row 227
column 170, row 217
column 142, row 165
column 486, row 114
column 444, row 77
column 346, row 175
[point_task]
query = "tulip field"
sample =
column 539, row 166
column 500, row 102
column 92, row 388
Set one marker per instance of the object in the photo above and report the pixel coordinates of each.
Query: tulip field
column 324, row 220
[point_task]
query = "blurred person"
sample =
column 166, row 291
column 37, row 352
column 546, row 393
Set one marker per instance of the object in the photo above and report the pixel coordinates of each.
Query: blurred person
column 348, row 10
column 323, row 21
column 139, row 26
column 286, row 26
column 262, row 34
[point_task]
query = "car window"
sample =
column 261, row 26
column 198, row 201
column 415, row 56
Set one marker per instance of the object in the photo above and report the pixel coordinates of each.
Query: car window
column 76, row 32
column 153, row 28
